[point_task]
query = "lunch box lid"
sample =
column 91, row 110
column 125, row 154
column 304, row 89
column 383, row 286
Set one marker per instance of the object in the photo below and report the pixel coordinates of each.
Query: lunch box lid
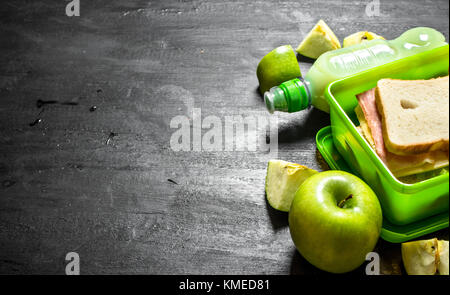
column 390, row 232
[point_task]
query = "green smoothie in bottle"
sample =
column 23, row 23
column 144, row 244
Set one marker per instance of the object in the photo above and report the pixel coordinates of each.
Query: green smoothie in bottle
column 300, row 93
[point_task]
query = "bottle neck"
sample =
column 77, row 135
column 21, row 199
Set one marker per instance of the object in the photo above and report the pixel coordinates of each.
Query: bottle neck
column 290, row 96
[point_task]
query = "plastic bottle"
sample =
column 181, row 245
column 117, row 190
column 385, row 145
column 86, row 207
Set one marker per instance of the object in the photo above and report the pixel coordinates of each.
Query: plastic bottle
column 298, row 94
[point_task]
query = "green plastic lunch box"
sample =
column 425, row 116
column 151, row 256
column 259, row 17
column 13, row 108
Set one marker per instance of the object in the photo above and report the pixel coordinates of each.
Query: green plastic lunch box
column 409, row 210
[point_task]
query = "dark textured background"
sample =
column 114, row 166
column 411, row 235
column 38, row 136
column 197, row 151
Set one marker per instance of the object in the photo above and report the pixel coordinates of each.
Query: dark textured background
column 65, row 187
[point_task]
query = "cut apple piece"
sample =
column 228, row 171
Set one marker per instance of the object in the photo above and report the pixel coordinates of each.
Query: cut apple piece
column 318, row 41
column 443, row 257
column 419, row 257
column 360, row 37
column 282, row 181
column 276, row 67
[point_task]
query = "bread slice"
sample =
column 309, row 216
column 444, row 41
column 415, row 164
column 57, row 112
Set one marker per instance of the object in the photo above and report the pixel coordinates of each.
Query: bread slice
column 415, row 114
column 400, row 166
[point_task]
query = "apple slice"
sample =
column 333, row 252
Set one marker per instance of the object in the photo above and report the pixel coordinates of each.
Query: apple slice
column 318, row 41
column 282, row 181
column 360, row 37
column 443, row 257
column 276, row 67
column 419, row 257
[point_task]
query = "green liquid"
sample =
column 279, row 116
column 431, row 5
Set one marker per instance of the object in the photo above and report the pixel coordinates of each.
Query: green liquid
column 341, row 63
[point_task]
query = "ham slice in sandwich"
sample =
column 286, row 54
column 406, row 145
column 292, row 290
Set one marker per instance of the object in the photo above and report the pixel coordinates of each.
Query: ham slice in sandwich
column 399, row 165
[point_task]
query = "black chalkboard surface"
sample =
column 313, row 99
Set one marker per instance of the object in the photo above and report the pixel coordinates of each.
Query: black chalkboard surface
column 93, row 155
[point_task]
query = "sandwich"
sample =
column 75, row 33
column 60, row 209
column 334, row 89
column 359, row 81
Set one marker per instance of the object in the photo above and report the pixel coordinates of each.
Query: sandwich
column 407, row 124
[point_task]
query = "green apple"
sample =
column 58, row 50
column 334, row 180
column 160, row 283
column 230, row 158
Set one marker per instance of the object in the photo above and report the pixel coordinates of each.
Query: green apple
column 276, row 67
column 282, row 181
column 425, row 257
column 335, row 220
column 420, row 257
column 318, row 41
column 360, row 37
column 443, row 258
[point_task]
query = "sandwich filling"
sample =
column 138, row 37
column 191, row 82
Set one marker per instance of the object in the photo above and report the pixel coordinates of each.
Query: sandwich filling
column 400, row 165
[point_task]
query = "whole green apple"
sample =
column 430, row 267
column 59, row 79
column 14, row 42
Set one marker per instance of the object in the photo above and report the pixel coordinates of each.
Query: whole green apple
column 335, row 220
